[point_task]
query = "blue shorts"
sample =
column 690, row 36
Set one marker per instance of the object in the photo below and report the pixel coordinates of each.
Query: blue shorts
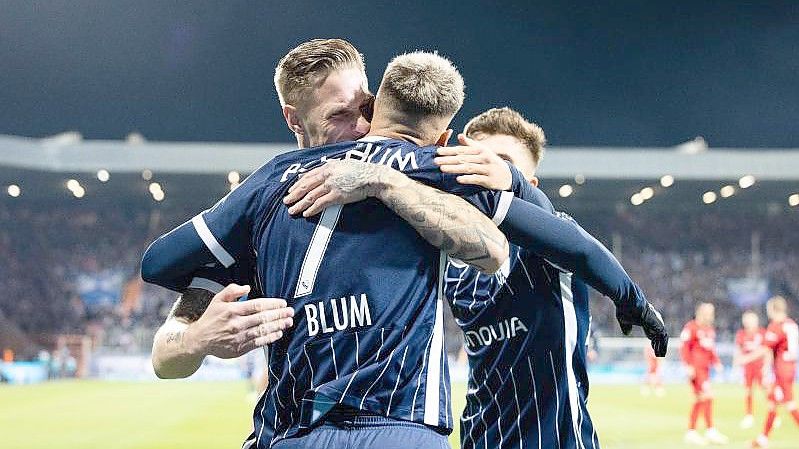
column 367, row 432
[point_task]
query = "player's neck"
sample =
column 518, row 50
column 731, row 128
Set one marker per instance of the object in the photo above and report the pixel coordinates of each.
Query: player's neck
column 418, row 134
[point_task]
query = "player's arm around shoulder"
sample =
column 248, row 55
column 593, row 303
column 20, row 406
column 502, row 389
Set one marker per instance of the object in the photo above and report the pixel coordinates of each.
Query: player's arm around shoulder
column 446, row 221
column 202, row 323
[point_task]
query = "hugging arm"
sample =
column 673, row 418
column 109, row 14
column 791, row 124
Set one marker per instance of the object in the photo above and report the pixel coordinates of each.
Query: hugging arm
column 564, row 243
column 446, row 221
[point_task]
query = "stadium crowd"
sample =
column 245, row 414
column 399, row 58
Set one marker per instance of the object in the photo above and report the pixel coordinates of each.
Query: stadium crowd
column 678, row 259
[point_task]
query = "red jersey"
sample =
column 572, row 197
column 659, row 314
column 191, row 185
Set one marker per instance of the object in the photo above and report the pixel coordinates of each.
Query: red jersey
column 750, row 342
column 783, row 339
column 698, row 345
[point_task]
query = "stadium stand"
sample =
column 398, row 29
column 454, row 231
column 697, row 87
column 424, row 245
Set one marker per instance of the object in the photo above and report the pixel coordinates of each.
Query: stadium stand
column 71, row 263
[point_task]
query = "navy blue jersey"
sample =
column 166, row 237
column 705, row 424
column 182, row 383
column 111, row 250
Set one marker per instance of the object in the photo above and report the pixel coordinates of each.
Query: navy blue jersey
column 367, row 290
column 525, row 330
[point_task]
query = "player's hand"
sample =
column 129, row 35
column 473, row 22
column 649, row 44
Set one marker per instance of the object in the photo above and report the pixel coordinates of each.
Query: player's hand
column 475, row 163
column 690, row 371
column 335, row 182
column 229, row 329
column 652, row 323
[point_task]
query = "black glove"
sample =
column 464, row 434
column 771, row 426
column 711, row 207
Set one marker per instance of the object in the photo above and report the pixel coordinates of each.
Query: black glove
column 652, row 323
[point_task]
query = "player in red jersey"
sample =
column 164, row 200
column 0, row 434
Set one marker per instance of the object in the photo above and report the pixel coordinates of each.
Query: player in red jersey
column 782, row 338
column 654, row 382
column 748, row 354
column 698, row 353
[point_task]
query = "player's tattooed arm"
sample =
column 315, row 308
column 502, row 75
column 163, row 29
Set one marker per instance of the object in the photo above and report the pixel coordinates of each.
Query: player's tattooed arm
column 202, row 323
column 444, row 220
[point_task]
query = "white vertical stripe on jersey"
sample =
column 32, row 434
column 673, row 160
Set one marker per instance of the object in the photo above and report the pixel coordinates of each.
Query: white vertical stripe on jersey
column 333, row 351
column 457, row 285
column 396, row 384
column 432, row 392
column 211, row 242
column 316, row 250
column 388, row 362
column 557, row 397
column 419, row 377
column 526, row 273
column 580, row 427
column 518, row 409
column 474, row 292
column 445, row 387
column 535, row 400
column 263, row 419
column 206, row 284
column 344, row 393
column 499, row 410
column 570, row 327
column 357, row 349
column 293, row 383
column 382, row 331
column 482, row 414
column 279, row 401
column 310, row 365
column 470, row 392
column 503, row 205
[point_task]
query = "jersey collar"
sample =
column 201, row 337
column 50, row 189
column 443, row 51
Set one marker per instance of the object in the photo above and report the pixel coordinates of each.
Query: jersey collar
column 372, row 139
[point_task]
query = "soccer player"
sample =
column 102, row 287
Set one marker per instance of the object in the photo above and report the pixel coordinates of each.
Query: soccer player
column 327, row 111
column 654, row 380
column 748, row 354
column 698, row 353
column 527, row 364
column 516, row 330
column 782, row 339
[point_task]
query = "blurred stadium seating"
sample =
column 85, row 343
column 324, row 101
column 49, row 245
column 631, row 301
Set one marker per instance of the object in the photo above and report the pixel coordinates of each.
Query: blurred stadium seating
column 71, row 249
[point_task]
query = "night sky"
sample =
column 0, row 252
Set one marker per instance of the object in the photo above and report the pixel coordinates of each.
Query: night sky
column 591, row 73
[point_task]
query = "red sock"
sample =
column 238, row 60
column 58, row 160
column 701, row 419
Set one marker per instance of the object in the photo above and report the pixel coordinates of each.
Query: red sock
column 772, row 414
column 709, row 413
column 698, row 405
column 749, row 401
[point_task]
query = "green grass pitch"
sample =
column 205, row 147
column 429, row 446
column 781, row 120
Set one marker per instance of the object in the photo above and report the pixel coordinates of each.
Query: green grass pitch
column 197, row 415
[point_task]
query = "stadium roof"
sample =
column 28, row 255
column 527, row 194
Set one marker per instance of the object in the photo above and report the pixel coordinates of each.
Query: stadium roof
column 578, row 179
column 68, row 153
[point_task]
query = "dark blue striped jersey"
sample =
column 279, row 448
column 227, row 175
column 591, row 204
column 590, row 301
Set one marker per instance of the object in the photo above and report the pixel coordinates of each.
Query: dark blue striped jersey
column 366, row 289
column 525, row 330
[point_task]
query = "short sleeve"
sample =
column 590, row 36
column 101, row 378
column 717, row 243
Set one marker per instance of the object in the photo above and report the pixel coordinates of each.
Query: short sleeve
column 492, row 203
column 225, row 228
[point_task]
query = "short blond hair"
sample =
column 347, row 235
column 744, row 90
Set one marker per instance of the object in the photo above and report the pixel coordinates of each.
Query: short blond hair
column 308, row 64
column 423, row 83
column 508, row 122
column 778, row 304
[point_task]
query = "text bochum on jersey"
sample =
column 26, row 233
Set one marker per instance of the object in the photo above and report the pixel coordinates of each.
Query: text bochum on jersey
column 369, row 329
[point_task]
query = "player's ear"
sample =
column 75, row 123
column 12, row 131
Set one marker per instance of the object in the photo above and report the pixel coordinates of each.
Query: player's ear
column 443, row 139
column 534, row 181
column 292, row 119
